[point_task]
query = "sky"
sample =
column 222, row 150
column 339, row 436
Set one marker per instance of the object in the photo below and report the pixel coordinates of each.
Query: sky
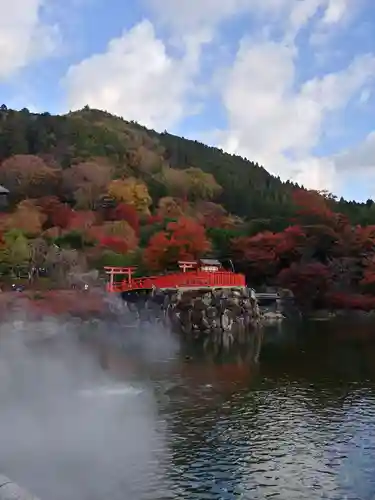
column 289, row 84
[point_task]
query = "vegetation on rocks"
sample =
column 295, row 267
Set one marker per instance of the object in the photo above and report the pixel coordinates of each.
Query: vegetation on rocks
column 88, row 189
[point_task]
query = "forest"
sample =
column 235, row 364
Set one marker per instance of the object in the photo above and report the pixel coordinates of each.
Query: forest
column 89, row 189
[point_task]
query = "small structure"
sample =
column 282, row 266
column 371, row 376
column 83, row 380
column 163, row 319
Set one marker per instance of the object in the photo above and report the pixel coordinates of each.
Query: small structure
column 205, row 273
column 202, row 297
column 4, row 194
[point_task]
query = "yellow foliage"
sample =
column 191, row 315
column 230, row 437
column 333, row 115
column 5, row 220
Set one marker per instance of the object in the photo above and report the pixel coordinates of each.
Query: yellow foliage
column 192, row 183
column 131, row 191
column 203, row 186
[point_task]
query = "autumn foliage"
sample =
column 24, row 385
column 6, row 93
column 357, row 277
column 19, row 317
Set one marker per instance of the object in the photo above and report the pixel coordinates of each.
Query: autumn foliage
column 110, row 192
column 322, row 258
column 184, row 239
column 127, row 213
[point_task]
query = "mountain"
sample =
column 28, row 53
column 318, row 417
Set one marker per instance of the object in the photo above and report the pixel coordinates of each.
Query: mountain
column 88, row 190
column 247, row 189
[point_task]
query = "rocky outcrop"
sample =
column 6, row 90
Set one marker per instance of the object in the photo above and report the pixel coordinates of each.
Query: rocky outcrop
column 200, row 312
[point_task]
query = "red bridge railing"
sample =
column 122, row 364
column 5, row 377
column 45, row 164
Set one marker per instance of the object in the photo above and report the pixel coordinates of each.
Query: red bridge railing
column 187, row 279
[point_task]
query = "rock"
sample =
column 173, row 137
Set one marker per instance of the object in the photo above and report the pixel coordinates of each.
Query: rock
column 202, row 311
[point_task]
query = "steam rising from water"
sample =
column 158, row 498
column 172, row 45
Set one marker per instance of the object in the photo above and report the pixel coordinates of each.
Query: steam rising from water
column 68, row 431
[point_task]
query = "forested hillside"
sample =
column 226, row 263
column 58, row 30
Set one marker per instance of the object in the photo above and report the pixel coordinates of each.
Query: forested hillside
column 89, row 189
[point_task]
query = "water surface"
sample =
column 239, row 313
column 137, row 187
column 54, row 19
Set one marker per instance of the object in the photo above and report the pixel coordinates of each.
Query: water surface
column 290, row 415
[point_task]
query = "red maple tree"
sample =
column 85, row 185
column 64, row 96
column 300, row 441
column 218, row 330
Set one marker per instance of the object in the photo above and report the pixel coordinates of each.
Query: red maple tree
column 184, row 239
column 309, row 282
column 126, row 212
column 263, row 255
column 115, row 243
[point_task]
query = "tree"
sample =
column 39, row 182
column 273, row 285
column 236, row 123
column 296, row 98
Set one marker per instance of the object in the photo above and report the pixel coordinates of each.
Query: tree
column 60, row 263
column 202, row 185
column 115, row 243
column 57, row 214
column 86, row 182
column 117, row 235
column 112, row 258
column 262, row 256
column 176, row 181
column 27, row 218
column 309, row 283
column 368, row 280
column 28, row 176
column 132, row 192
column 146, row 160
column 182, row 240
column 314, row 208
column 38, row 252
column 222, row 240
column 212, row 215
column 169, row 207
column 17, row 252
column 125, row 212
column 190, row 183
column 81, row 220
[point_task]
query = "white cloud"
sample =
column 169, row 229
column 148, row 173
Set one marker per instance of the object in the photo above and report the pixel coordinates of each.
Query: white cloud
column 277, row 124
column 272, row 117
column 135, row 78
column 195, row 15
column 23, row 35
column 335, row 11
column 359, row 158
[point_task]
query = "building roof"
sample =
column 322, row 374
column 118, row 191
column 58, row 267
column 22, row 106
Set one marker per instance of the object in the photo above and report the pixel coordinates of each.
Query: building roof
column 3, row 190
column 210, row 262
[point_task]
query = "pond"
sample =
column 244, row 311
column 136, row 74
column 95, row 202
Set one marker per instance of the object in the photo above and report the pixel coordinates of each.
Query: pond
column 123, row 414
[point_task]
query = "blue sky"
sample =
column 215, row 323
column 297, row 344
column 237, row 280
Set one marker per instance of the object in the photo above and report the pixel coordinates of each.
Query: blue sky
column 287, row 83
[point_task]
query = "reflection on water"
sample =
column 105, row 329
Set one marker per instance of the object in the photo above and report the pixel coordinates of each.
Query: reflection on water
column 293, row 420
column 288, row 414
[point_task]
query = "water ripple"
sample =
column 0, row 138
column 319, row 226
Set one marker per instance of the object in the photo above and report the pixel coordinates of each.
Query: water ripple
column 287, row 441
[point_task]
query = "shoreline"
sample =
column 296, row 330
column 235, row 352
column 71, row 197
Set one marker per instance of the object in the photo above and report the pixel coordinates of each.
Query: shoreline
column 39, row 303
column 94, row 303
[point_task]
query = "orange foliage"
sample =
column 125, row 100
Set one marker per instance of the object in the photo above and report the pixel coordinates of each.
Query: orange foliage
column 27, row 218
column 311, row 203
column 81, row 220
column 182, row 240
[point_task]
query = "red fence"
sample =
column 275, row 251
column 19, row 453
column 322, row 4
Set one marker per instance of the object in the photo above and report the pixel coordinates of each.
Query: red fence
column 190, row 279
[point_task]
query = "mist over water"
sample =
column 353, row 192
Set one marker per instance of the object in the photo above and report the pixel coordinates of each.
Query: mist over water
column 68, row 429
column 97, row 410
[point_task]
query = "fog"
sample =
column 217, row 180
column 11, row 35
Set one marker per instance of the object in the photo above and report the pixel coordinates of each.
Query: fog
column 68, row 429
